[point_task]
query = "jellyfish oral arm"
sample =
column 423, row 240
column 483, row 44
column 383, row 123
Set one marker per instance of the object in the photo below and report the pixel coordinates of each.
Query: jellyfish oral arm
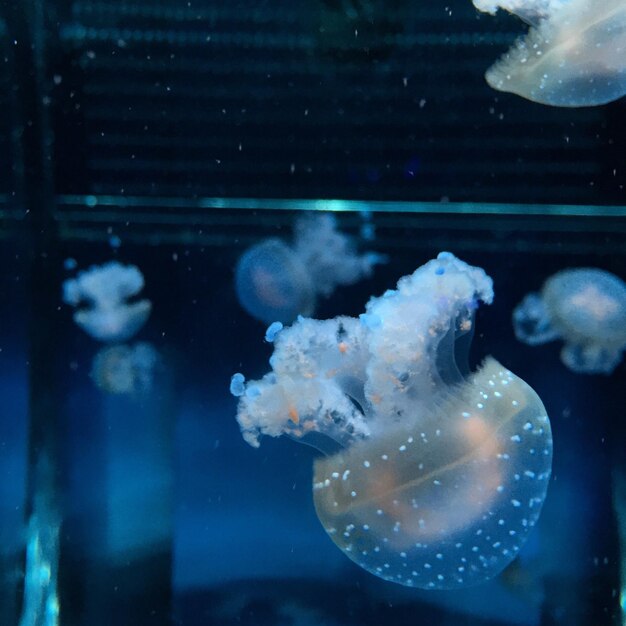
column 315, row 385
column 531, row 11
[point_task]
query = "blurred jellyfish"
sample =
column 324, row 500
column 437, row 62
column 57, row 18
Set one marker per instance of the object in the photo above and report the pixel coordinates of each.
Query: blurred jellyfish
column 574, row 54
column 432, row 478
column 368, row 229
column 70, row 264
column 115, row 241
column 278, row 282
column 273, row 284
column 584, row 307
column 104, row 290
column 125, row 369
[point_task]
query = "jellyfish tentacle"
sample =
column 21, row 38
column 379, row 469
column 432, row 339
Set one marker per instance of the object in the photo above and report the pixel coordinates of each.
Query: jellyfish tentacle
column 531, row 321
column 590, row 358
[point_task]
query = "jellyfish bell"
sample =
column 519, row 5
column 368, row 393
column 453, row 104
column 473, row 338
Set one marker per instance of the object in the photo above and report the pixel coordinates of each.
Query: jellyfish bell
column 588, row 302
column 103, row 286
column 574, row 54
column 447, row 503
column 272, row 283
column 586, row 308
column 431, row 479
column 114, row 324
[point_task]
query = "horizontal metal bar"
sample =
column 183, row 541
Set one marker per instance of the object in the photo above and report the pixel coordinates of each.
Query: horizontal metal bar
column 281, row 204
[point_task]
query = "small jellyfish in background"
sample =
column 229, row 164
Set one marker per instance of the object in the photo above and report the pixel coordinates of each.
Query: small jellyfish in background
column 573, row 55
column 586, row 308
column 277, row 282
column 432, row 476
column 104, row 291
column 125, row 369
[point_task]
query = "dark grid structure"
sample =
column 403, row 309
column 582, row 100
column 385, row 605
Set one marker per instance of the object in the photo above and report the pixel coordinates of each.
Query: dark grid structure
column 369, row 99
column 6, row 119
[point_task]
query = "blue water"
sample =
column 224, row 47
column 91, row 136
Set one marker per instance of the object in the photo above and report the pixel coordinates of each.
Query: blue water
column 159, row 492
column 177, row 136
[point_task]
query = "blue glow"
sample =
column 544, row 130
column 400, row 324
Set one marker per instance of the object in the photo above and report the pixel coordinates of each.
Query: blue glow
column 237, row 384
column 272, row 330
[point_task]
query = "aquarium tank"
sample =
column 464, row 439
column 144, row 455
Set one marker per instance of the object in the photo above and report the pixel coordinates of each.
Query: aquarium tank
column 313, row 313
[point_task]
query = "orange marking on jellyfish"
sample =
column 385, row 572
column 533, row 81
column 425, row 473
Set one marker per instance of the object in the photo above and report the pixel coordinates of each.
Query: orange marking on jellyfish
column 308, row 426
column 478, row 434
column 293, row 415
column 343, row 347
column 268, row 288
column 422, row 518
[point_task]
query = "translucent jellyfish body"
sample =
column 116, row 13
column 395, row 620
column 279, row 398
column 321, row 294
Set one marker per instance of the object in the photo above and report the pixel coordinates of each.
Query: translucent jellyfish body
column 431, row 478
column 584, row 307
column 277, row 282
column 574, row 54
column 125, row 369
column 105, row 290
column 273, row 284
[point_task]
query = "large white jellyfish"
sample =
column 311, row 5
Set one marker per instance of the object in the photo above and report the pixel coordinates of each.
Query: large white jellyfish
column 105, row 290
column 586, row 308
column 125, row 369
column 573, row 55
column 277, row 282
column 432, row 478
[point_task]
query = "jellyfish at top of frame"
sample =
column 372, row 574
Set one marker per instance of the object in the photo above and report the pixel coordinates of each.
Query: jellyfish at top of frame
column 574, row 54
column 124, row 369
column 432, row 476
column 275, row 281
column 104, row 290
column 586, row 308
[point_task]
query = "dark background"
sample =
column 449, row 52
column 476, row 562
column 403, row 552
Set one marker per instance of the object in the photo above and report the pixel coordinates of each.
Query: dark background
column 367, row 99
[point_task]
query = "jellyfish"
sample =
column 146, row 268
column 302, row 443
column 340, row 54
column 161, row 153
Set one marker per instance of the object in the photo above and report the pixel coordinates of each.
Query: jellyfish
column 105, row 290
column 273, row 284
column 574, row 54
column 431, row 476
column 125, row 369
column 277, row 282
column 586, row 308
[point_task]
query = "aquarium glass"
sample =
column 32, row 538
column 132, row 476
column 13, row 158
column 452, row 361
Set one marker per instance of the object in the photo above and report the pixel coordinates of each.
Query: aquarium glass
column 313, row 313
